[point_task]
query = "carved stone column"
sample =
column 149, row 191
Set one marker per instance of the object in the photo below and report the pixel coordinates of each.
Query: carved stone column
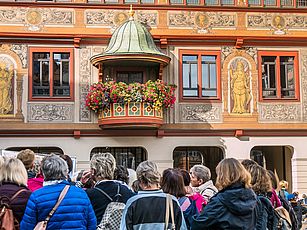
column 19, row 88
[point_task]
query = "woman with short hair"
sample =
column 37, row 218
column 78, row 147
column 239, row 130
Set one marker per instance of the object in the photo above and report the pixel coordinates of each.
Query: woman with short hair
column 13, row 179
column 74, row 212
column 147, row 209
column 102, row 172
column 235, row 205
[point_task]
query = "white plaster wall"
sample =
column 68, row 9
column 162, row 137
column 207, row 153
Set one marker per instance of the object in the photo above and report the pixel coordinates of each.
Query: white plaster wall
column 160, row 150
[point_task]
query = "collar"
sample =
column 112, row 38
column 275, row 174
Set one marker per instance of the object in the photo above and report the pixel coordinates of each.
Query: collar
column 150, row 191
column 52, row 182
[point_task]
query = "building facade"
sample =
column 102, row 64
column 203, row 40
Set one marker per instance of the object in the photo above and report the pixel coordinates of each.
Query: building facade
column 240, row 68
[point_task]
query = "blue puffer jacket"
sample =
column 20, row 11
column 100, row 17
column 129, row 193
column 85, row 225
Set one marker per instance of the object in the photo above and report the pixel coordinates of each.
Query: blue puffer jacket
column 75, row 211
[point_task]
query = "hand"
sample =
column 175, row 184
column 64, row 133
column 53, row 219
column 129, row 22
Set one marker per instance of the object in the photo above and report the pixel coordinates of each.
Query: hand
column 86, row 175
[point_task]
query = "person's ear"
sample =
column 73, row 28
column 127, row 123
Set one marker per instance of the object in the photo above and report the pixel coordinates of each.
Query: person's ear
column 200, row 181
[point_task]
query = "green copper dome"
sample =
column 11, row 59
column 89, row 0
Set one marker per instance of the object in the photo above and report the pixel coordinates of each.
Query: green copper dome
column 131, row 41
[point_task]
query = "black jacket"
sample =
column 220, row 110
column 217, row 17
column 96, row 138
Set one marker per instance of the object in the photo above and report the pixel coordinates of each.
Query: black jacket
column 100, row 201
column 265, row 219
column 234, row 207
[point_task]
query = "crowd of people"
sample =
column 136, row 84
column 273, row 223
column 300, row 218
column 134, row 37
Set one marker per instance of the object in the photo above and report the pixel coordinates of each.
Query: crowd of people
column 109, row 196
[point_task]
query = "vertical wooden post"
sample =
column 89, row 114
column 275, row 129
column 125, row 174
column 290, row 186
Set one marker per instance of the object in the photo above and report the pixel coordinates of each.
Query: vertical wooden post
column 100, row 72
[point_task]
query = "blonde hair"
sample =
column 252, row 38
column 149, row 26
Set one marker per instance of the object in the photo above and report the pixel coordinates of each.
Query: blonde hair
column 27, row 156
column 14, row 171
column 147, row 173
column 283, row 184
column 104, row 165
column 230, row 171
column 261, row 181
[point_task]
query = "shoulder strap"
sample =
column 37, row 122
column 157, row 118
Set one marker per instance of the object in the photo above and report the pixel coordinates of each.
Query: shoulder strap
column 17, row 193
column 61, row 197
column 172, row 211
column 104, row 193
column 167, row 211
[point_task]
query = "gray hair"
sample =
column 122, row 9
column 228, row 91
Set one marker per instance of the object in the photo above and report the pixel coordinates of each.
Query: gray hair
column 104, row 166
column 201, row 172
column 147, row 173
column 14, row 171
column 54, row 168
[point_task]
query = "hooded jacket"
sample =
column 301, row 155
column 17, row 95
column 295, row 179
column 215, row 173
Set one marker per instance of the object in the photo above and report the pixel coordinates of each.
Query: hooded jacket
column 234, row 207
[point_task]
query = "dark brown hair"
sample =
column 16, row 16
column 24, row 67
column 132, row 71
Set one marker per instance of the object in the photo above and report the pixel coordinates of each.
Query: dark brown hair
column 172, row 182
column 186, row 177
column 273, row 179
column 68, row 161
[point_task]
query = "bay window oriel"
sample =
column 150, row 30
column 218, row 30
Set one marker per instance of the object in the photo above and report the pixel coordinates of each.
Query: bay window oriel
column 200, row 75
column 279, row 75
column 51, row 73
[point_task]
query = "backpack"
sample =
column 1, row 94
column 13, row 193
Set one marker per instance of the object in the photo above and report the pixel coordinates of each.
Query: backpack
column 7, row 219
column 113, row 214
column 286, row 204
column 282, row 219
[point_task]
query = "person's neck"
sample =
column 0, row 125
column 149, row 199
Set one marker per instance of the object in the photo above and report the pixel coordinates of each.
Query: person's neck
column 150, row 187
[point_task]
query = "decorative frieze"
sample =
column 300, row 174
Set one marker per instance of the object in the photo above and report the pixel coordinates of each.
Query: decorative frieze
column 304, row 84
column 227, row 50
column 279, row 23
column 22, row 51
column 85, row 81
column 111, row 18
column 50, row 112
column 201, row 21
column 34, row 19
column 200, row 113
column 270, row 113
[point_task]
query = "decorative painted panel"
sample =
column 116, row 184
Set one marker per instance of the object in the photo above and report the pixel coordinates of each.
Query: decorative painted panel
column 200, row 21
column 36, row 18
column 112, row 18
column 270, row 113
column 85, row 81
column 22, row 51
column 278, row 23
column 304, row 83
column 200, row 113
column 7, row 75
column 50, row 112
column 240, row 85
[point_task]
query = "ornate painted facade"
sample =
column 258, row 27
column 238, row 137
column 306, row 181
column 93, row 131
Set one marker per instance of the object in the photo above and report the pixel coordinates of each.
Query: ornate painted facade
column 241, row 79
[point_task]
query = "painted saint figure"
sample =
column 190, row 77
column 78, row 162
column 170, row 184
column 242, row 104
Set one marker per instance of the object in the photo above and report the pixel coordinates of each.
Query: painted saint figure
column 6, row 75
column 240, row 88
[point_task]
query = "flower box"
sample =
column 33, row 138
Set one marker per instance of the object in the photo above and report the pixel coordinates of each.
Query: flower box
column 135, row 105
column 132, row 115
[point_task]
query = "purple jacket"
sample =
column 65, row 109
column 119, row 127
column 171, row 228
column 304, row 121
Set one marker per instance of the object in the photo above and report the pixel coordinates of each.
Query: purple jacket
column 20, row 202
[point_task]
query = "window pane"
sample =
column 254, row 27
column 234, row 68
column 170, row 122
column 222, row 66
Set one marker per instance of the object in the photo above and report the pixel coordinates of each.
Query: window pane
column 254, row 2
column 302, row 3
column 193, row 2
column 227, row 2
column 270, row 2
column 129, row 157
column 189, row 76
column 209, row 76
column 269, row 76
column 211, row 2
column 61, row 86
column 287, row 78
column 40, row 74
column 176, row 1
column 286, row 3
column 147, row 1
